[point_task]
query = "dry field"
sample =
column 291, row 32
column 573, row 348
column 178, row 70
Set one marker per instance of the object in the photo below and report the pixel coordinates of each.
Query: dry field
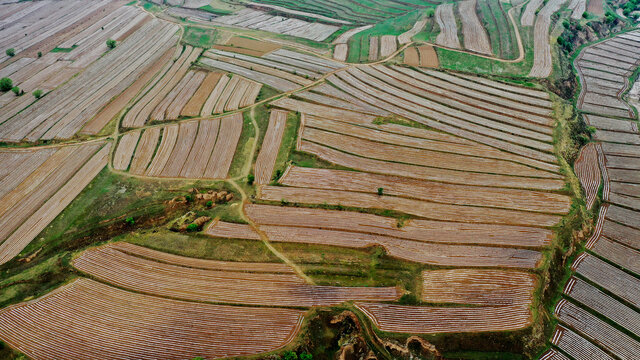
column 603, row 70
column 542, row 60
column 72, row 101
column 588, row 171
column 270, row 146
column 259, row 20
column 50, row 179
column 430, row 320
column 243, row 45
column 473, row 32
column 191, row 149
column 177, row 281
column 578, row 7
column 448, row 36
column 156, row 328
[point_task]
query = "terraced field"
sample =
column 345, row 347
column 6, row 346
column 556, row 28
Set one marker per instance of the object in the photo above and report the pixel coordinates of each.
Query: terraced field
column 605, row 287
column 301, row 178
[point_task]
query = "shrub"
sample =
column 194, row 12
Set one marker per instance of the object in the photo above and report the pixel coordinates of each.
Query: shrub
column 37, row 93
column 189, row 198
column 306, row 356
column 430, row 12
column 192, row 227
column 39, row 54
column 209, row 203
column 250, row 179
column 408, row 299
column 380, row 191
column 290, row 355
column 11, row 52
column 16, row 90
column 129, row 221
column 6, row 84
column 111, row 43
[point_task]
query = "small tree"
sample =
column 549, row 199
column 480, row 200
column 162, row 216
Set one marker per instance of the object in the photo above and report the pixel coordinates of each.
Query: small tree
column 129, row 221
column 16, row 90
column 306, row 356
column 11, row 52
column 380, row 191
column 250, row 179
column 192, row 227
column 111, row 43
column 39, row 54
column 290, row 355
column 6, row 84
column 209, row 203
column 37, row 93
column 430, row 12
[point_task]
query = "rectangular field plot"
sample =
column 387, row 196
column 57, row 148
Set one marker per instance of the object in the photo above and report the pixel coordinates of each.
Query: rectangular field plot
column 110, row 323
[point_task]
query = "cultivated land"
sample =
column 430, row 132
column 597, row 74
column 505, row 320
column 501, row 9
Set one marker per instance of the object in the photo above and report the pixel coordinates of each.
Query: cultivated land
column 299, row 179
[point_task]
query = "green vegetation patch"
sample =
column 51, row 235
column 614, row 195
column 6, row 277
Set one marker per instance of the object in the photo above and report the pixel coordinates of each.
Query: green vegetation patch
column 63, row 50
column 200, row 37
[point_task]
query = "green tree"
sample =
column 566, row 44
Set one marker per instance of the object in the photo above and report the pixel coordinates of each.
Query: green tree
column 11, row 52
column 6, row 84
column 16, row 90
column 250, row 179
column 129, row 221
column 192, row 227
column 111, row 43
column 380, row 191
column 209, row 203
column 290, row 355
column 37, row 93
column 306, row 356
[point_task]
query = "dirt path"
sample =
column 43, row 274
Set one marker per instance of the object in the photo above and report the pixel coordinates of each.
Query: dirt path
column 265, row 238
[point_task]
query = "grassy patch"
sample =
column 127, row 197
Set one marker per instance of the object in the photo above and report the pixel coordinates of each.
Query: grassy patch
column 243, row 150
column 359, row 43
column 132, row 3
column 216, row 11
column 204, row 38
column 460, row 61
column 151, row 7
column 94, row 216
column 201, row 246
column 63, row 50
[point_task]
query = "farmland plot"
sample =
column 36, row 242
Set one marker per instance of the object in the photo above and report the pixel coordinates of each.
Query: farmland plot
column 60, row 18
column 588, row 171
column 156, row 329
column 53, row 69
column 192, row 149
column 474, row 34
column 597, row 330
column 430, row 320
column 187, row 283
column 417, row 230
column 577, row 346
column 157, row 90
column 65, row 110
column 259, row 20
column 542, row 65
column 270, row 146
column 51, row 183
column 448, row 36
